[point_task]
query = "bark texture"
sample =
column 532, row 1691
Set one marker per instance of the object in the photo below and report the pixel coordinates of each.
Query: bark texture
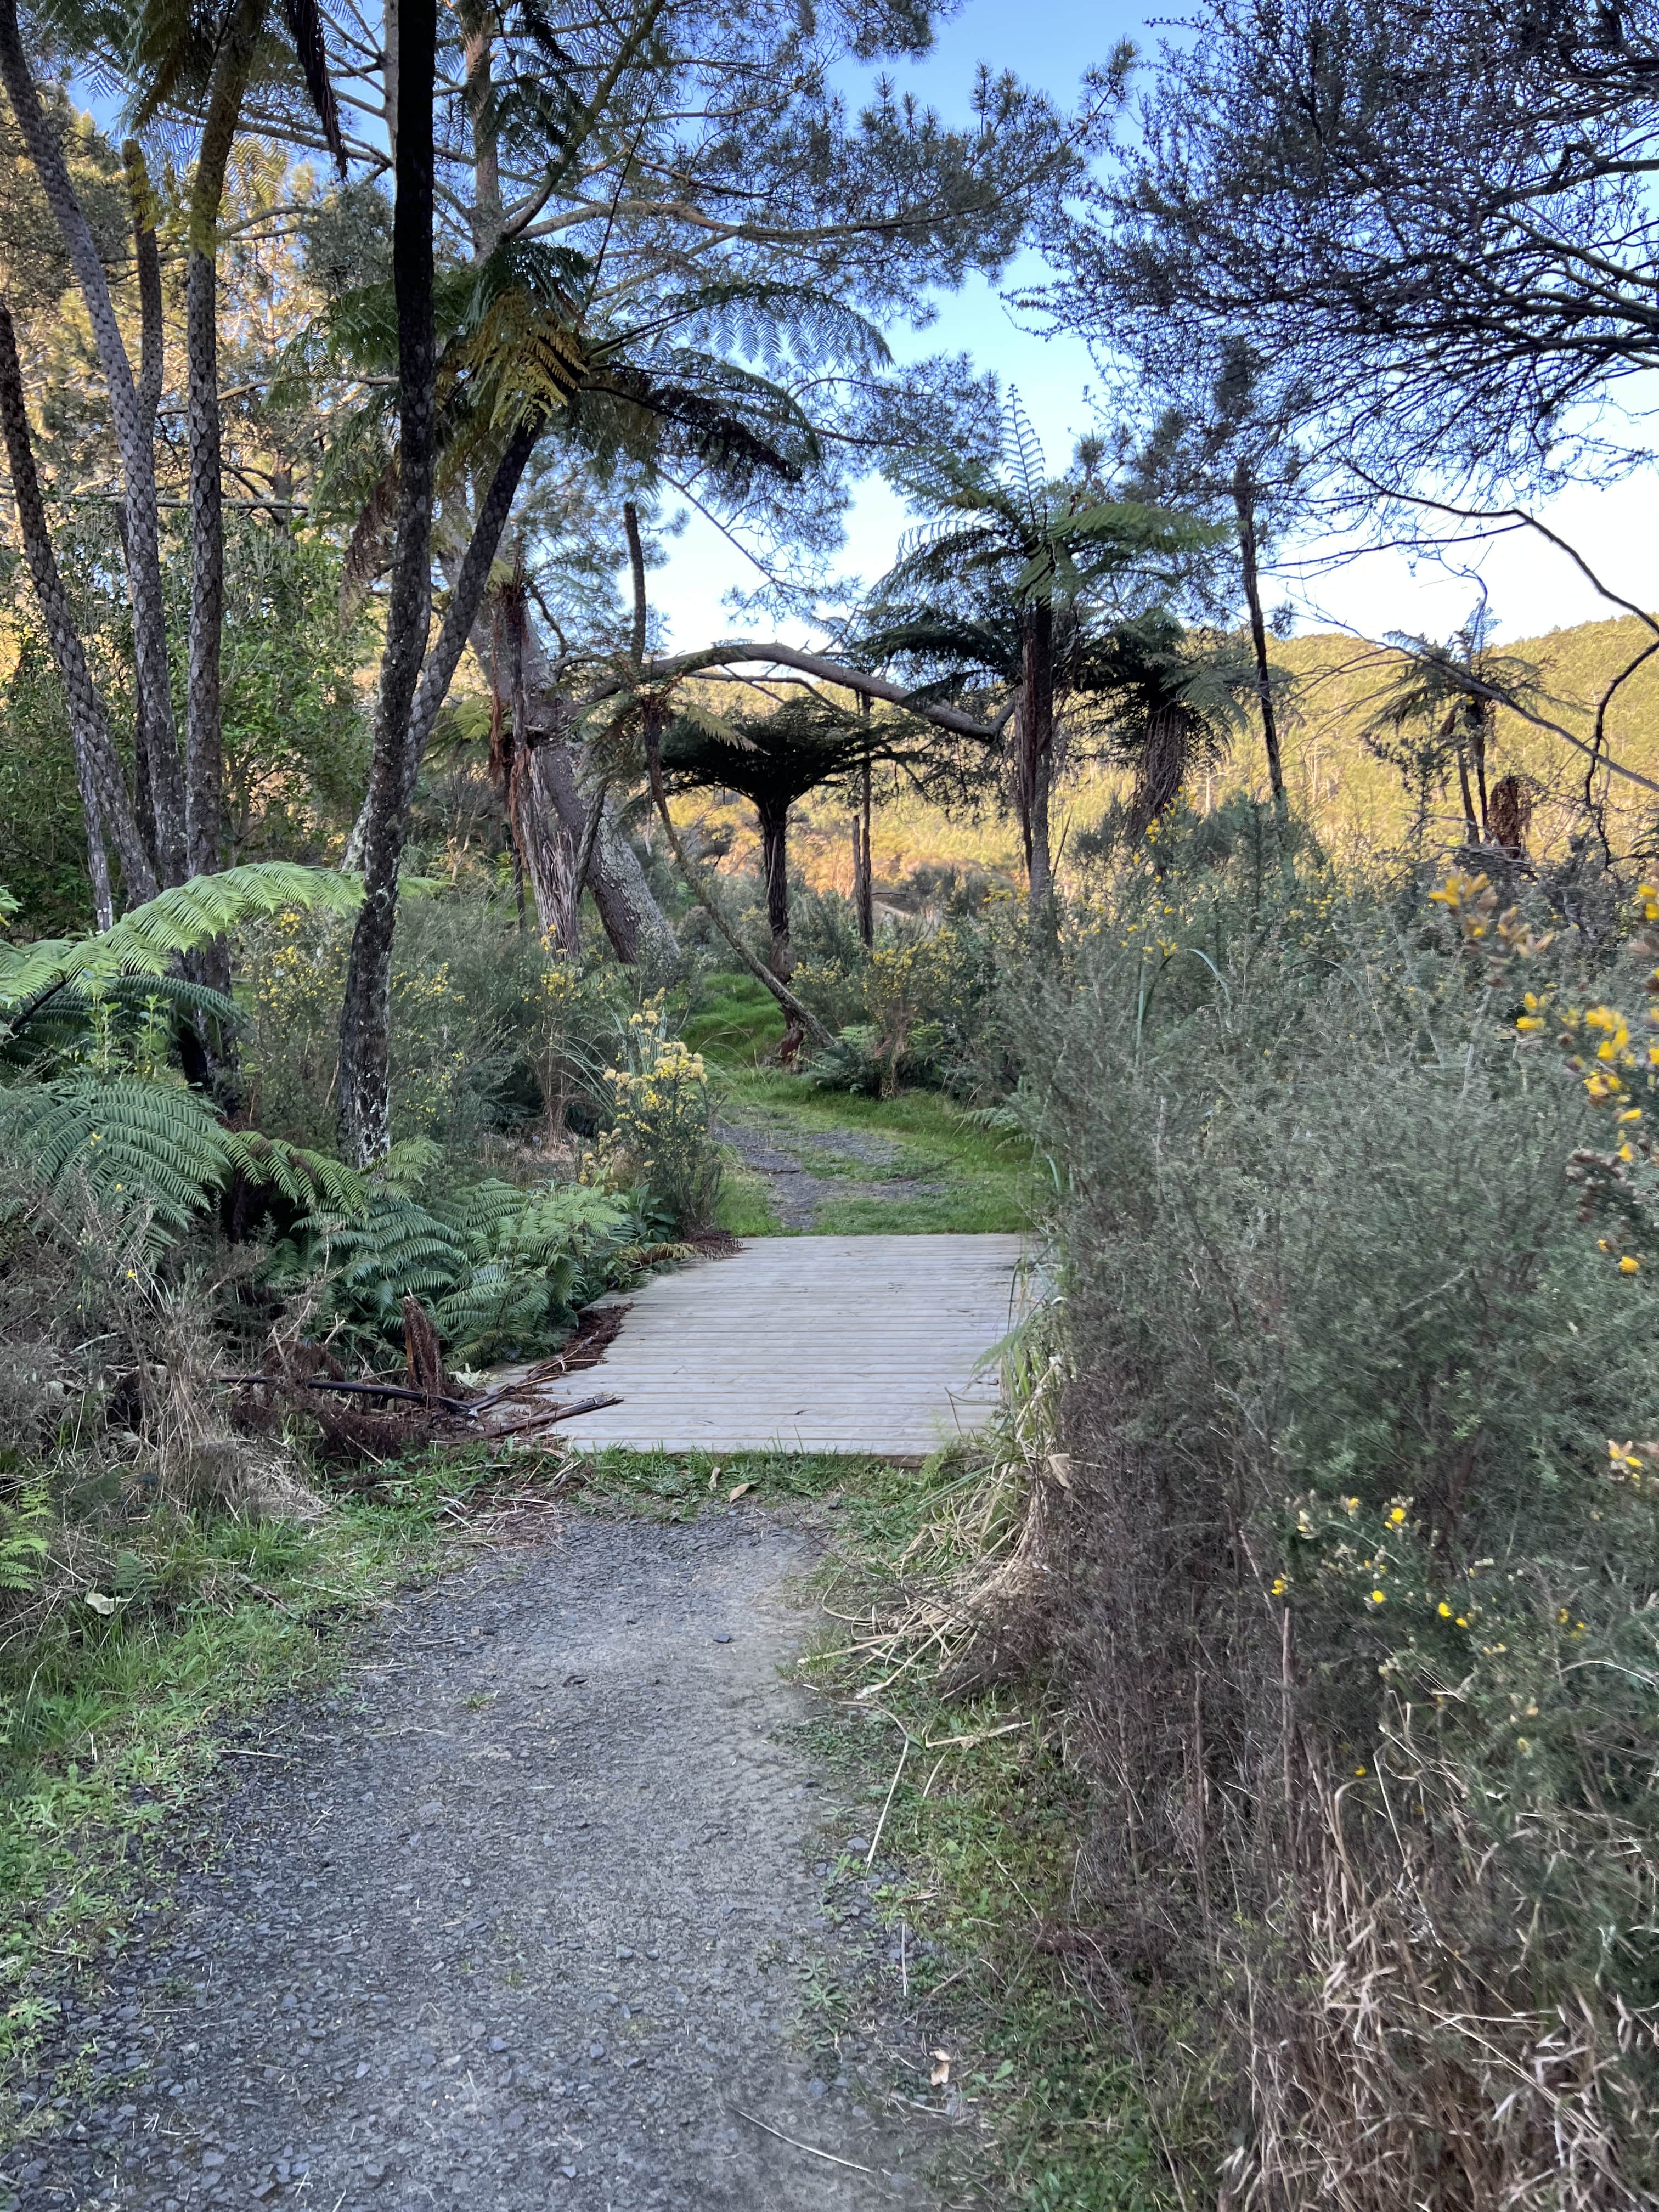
column 203, row 731
column 104, row 799
column 164, row 771
column 556, row 807
column 365, row 1096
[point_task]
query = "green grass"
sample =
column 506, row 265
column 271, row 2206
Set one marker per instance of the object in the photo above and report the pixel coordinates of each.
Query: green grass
column 111, row 1729
column 986, row 1173
column 735, row 1022
column 736, row 1025
column 986, row 1834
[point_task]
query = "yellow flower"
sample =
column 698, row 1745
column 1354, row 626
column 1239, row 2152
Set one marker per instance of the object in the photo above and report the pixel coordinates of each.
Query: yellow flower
column 1630, row 1265
column 1379, row 1598
column 1397, row 1515
column 1279, row 1585
column 1445, row 1610
column 1360, row 1772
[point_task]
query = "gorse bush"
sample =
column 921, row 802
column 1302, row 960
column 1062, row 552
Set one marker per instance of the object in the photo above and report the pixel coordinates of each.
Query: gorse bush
column 911, row 1010
column 660, row 1138
column 1358, row 1602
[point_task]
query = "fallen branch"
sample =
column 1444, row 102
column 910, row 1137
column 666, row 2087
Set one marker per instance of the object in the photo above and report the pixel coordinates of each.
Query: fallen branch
column 356, row 1390
column 558, row 1413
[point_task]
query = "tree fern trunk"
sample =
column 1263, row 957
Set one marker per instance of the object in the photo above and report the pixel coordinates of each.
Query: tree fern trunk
column 164, row 770
column 1036, row 726
column 1244, row 507
column 365, row 1100
column 104, row 799
column 775, row 871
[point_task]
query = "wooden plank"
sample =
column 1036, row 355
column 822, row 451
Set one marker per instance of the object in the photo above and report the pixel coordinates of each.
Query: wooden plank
column 824, row 1344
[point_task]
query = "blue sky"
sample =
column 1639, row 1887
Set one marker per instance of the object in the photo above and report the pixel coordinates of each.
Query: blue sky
column 1531, row 589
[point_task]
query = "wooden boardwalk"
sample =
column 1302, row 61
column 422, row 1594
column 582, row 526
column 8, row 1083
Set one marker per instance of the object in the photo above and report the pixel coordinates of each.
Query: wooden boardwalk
column 817, row 1344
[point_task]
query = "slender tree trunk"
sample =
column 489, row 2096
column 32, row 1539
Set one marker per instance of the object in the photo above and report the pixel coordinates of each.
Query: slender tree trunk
column 1244, row 506
column 1035, row 747
column 164, row 769
column 104, row 799
column 365, row 1095
column 864, row 877
column 204, row 731
column 774, row 874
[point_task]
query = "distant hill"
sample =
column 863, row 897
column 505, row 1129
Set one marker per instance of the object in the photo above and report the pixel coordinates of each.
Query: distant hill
column 1337, row 685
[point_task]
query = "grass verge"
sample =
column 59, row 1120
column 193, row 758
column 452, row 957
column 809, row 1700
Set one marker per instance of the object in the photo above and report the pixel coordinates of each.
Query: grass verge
column 111, row 1725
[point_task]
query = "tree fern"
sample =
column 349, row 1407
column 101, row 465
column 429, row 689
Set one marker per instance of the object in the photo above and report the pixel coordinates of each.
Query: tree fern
column 133, row 1140
column 150, row 939
column 310, row 1179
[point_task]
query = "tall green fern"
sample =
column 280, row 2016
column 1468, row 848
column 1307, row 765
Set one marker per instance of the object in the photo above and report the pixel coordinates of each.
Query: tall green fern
column 134, row 1141
column 151, row 939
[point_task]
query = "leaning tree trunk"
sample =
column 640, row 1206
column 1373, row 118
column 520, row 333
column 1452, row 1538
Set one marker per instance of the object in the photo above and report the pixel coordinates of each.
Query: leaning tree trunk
column 1244, row 506
column 635, row 923
column 365, row 1112
column 104, row 799
column 774, row 874
column 142, row 531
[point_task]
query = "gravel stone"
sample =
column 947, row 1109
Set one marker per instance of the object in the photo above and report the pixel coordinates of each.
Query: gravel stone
column 458, row 1972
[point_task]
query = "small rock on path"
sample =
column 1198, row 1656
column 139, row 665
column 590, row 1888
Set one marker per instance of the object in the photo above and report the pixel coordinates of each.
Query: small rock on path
column 512, row 1923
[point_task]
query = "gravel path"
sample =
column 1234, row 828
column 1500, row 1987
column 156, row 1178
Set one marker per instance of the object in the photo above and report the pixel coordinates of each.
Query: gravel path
column 797, row 1195
column 517, row 1919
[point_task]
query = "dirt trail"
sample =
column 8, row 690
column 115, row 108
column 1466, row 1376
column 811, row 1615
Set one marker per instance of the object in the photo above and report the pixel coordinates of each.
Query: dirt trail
column 786, row 1154
column 514, row 1921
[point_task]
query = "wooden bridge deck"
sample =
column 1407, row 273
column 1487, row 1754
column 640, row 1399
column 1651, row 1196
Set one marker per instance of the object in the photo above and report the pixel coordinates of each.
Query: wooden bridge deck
column 817, row 1344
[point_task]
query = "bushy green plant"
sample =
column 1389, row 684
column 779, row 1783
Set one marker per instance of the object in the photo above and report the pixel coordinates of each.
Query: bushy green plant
column 911, row 1012
column 500, row 1268
column 1358, row 1605
column 660, row 1138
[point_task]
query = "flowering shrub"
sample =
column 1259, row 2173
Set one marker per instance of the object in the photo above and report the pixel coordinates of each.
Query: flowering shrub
column 1354, row 1576
column 660, row 1138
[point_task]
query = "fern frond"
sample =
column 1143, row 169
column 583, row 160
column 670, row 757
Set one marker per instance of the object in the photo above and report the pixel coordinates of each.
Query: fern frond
column 134, row 1141
column 305, row 1178
column 149, row 939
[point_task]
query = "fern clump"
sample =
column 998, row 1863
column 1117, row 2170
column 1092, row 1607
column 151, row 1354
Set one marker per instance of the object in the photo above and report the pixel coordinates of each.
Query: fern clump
column 502, row 1269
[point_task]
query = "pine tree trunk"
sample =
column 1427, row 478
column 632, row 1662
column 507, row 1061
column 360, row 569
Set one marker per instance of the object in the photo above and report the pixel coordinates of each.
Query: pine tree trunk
column 365, row 1112
column 775, row 872
column 104, row 799
column 1244, row 506
column 163, row 769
